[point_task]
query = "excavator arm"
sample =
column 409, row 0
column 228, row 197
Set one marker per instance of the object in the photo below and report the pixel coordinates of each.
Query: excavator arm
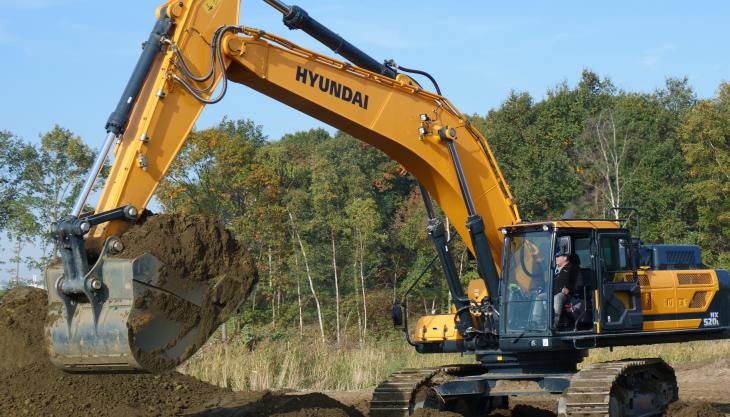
column 197, row 47
column 395, row 115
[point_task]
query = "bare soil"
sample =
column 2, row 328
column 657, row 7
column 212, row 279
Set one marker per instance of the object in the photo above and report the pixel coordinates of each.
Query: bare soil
column 31, row 386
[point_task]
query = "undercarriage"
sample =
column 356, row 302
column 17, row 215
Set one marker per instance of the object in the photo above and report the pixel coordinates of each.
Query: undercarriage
column 625, row 388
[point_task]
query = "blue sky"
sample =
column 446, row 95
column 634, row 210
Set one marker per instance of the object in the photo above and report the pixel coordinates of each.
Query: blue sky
column 67, row 61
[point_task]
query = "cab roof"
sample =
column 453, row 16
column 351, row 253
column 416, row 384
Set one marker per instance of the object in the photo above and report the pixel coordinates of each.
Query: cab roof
column 569, row 224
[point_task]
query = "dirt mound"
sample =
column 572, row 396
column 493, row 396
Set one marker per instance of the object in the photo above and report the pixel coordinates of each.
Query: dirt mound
column 699, row 409
column 202, row 260
column 30, row 385
column 269, row 404
column 40, row 389
column 22, row 312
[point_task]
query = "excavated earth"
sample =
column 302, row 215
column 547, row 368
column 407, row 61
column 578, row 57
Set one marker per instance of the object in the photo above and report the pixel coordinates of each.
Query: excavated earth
column 198, row 254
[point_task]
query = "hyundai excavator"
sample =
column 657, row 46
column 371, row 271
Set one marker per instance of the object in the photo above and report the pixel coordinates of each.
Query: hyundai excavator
column 633, row 294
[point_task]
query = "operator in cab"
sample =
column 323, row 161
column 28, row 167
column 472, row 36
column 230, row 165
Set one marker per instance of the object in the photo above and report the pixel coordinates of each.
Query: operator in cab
column 568, row 282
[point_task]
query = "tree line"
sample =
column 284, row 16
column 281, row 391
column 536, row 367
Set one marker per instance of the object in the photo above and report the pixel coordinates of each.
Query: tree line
column 338, row 229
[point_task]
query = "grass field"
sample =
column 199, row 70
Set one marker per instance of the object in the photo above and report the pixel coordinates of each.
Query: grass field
column 306, row 364
column 674, row 354
column 309, row 364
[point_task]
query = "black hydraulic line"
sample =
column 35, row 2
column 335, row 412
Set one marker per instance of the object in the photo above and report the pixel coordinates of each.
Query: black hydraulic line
column 465, row 193
column 427, row 201
column 218, row 53
column 297, row 18
column 474, row 223
column 437, row 233
column 392, row 63
column 120, row 116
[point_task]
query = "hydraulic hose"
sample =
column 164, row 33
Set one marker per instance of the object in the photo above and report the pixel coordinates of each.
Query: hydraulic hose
column 392, row 63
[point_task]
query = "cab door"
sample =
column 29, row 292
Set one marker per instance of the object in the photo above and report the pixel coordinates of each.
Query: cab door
column 620, row 292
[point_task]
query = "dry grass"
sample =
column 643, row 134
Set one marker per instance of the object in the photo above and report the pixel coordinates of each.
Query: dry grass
column 309, row 364
column 674, row 353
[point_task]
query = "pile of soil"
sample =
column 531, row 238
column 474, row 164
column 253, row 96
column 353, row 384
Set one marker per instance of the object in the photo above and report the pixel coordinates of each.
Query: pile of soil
column 30, row 385
column 22, row 313
column 699, row 409
column 269, row 404
column 203, row 261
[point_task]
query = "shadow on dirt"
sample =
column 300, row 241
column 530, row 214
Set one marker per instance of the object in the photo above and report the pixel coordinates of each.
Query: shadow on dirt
column 530, row 411
column 274, row 405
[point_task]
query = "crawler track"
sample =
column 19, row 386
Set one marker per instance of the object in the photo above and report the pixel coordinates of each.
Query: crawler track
column 395, row 396
column 626, row 388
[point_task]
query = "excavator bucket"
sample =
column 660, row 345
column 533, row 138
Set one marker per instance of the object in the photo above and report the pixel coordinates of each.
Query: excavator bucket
column 149, row 316
column 128, row 309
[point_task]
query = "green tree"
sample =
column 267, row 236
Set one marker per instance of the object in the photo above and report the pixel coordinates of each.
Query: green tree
column 211, row 172
column 704, row 134
column 658, row 169
column 16, row 192
column 365, row 223
column 57, row 171
column 15, row 156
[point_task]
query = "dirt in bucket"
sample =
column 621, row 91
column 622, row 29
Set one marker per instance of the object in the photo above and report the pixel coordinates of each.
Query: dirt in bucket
column 199, row 256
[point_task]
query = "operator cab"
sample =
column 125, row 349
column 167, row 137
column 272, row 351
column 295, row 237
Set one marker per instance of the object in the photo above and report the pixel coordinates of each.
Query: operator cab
column 605, row 294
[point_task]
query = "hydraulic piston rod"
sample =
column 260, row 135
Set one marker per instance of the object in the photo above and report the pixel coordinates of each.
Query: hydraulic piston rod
column 119, row 117
column 95, row 170
column 282, row 7
column 297, row 18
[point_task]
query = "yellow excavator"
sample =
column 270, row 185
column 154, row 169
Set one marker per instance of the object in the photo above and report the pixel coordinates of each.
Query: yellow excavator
column 524, row 344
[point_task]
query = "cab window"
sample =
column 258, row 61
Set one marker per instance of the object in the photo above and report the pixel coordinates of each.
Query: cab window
column 527, row 280
column 615, row 255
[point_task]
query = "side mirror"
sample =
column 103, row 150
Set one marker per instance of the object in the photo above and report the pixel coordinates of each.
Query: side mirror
column 565, row 244
column 396, row 313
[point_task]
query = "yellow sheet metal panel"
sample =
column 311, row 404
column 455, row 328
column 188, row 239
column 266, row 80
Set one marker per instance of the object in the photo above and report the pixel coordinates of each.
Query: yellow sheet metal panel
column 689, row 323
column 477, row 290
column 658, row 279
column 695, row 290
column 671, row 324
column 586, row 224
column 436, row 328
column 662, row 301
column 677, row 292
